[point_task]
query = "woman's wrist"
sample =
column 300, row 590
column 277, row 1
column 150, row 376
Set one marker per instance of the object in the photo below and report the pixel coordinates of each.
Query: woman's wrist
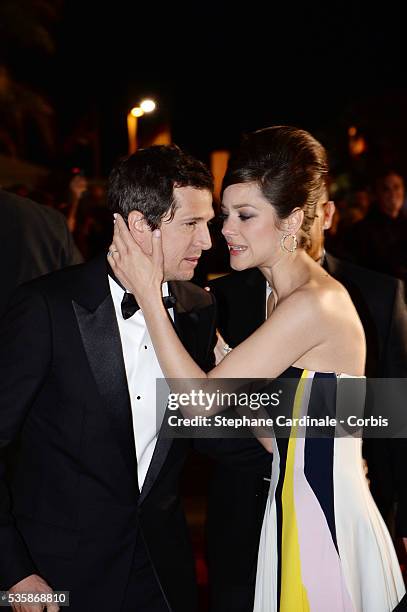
column 150, row 298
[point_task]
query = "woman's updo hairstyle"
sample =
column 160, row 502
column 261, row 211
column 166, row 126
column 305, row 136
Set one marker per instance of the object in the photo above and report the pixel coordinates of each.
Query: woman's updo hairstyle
column 289, row 166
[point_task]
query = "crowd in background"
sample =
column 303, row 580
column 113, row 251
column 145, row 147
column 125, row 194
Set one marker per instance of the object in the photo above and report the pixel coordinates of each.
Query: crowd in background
column 369, row 226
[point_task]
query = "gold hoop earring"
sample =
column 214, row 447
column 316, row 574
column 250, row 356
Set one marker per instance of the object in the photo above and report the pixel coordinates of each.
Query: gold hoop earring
column 294, row 243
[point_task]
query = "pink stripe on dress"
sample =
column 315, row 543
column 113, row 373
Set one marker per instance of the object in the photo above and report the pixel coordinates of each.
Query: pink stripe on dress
column 320, row 564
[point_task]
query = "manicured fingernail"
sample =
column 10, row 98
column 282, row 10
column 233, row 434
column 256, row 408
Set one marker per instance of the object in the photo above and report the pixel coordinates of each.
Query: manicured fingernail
column 115, row 215
column 157, row 233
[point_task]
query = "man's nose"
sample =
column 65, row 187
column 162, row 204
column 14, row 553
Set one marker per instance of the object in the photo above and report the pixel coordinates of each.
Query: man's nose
column 203, row 238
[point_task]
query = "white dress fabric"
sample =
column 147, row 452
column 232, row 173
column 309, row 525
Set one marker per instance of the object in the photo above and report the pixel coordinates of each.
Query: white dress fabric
column 324, row 546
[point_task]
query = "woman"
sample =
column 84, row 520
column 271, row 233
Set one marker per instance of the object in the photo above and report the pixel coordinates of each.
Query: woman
column 324, row 545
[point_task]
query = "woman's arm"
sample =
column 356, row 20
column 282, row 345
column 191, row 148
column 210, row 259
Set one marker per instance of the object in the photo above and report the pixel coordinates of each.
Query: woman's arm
column 270, row 350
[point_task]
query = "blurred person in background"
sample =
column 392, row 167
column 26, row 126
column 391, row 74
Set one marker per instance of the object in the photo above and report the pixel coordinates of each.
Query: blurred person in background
column 350, row 208
column 88, row 218
column 36, row 240
column 379, row 241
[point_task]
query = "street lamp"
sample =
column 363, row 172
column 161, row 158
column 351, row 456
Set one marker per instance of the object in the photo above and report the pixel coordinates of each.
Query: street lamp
column 145, row 106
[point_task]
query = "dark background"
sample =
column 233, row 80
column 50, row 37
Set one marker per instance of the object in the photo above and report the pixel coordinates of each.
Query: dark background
column 216, row 69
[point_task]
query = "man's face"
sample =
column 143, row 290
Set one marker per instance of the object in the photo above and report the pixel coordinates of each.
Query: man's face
column 187, row 234
column 324, row 213
column 390, row 195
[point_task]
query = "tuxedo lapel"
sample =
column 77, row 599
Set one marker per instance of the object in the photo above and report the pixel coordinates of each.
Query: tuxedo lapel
column 186, row 324
column 241, row 301
column 101, row 339
column 157, row 461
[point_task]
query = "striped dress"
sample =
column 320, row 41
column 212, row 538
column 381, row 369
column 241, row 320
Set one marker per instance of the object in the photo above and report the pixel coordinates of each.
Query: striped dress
column 324, row 546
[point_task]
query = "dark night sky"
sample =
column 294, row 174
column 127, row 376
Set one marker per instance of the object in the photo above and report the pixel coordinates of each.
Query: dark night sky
column 219, row 68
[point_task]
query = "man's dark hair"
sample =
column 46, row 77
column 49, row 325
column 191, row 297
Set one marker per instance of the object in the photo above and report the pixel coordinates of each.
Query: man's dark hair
column 384, row 172
column 145, row 182
column 290, row 168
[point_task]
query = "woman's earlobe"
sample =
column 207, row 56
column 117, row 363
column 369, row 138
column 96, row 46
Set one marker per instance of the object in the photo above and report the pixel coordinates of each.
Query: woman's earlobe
column 284, row 226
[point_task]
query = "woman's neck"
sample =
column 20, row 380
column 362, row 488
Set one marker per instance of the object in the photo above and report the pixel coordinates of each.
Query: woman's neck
column 288, row 273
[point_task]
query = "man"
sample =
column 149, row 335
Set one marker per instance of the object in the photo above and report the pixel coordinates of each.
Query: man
column 379, row 241
column 91, row 501
column 35, row 240
column 237, row 500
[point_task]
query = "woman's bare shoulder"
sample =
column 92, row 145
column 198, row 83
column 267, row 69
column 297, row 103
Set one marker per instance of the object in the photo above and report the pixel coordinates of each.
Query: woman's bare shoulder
column 323, row 291
column 333, row 327
column 315, row 293
column 322, row 301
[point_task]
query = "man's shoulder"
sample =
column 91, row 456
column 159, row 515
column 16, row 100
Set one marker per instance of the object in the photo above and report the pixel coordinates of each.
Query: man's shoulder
column 190, row 296
column 50, row 284
column 66, row 281
column 369, row 281
column 236, row 280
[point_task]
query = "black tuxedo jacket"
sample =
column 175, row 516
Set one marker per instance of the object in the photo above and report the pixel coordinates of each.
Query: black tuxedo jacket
column 70, row 506
column 237, row 502
column 237, row 495
column 379, row 300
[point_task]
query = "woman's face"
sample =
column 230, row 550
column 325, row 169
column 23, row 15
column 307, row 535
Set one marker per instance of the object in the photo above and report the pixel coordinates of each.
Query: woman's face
column 390, row 194
column 250, row 227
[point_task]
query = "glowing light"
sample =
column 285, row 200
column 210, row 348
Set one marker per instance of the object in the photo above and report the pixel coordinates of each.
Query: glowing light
column 147, row 105
column 137, row 111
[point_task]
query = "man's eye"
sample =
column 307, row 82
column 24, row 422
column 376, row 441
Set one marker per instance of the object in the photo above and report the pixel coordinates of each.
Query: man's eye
column 190, row 223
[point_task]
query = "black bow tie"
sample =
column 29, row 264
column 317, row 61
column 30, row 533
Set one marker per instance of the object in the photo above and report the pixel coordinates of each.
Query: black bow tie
column 129, row 304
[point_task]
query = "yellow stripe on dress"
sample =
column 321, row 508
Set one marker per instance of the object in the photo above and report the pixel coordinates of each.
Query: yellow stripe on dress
column 293, row 592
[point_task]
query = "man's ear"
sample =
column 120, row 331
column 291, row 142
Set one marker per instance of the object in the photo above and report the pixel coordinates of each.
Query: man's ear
column 138, row 226
column 329, row 211
column 293, row 222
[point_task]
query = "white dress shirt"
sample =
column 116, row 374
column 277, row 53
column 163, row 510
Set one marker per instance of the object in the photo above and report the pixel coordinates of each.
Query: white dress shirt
column 269, row 291
column 142, row 370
